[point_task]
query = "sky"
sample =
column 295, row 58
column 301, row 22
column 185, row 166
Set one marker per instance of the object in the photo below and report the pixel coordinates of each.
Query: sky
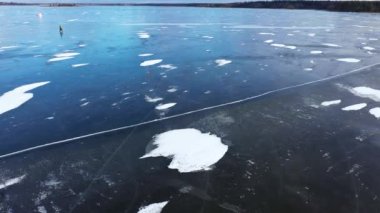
column 121, row 1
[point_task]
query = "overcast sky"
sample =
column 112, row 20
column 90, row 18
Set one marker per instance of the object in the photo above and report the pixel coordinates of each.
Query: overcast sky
column 122, row 1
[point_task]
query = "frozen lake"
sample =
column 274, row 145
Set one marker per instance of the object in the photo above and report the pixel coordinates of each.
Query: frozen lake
column 286, row 150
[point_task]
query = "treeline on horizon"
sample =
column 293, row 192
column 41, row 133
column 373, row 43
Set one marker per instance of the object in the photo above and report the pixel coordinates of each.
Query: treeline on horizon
column 344, row 6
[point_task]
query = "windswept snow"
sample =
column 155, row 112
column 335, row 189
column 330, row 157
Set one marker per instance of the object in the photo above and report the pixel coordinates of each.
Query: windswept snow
column 329, row 103
column 150, row 62
column 165, row 106
column 153, row 100
column 354, row 107
column 16, row 97
column 222, row 62
column 375, row 112
column 11, row 182
column 153, row 208
column 366, row 92
column 190, row 149
column 348, row 60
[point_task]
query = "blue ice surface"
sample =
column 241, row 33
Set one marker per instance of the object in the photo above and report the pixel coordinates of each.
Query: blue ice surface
column 115, row 84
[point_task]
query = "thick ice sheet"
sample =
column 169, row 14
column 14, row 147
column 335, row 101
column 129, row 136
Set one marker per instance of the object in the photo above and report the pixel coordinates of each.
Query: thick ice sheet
column 16, row 97
column 153, row 208
column 190, row 149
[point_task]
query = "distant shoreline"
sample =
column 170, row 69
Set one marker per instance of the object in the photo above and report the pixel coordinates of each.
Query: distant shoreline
column 337, row 6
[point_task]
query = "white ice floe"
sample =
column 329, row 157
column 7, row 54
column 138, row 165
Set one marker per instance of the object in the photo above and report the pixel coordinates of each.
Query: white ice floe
column 168, row 66
column 145, row 54
column 284, row 46
column 330, row 45
column 268, row 41
column 375, row 112
column 368, row 48
column 366, row 92
column 16, row 97
column 11, row 182
column 222, row 62
column 153, row 208
column 165, row 106
column 329, row 103
column 348, row 60
column 150, row 62
column 354, row 107
column 153, row 100
column 143, row 35
column 266, row 33
column 316, row 52
column 59, row 59
column 80, row 65
column 190, row 149
column 68, row 54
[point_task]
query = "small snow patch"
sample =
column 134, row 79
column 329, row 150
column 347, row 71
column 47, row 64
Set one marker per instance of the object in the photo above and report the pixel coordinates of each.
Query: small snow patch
column 143, row 35
column 190, row 149
column 145, row 54
column 153, row 208
column 330, row 45
column 348, row 60
column 329, row 103
column 355, row 107
column 316, row 52
column 165, row 106
column 222, row 62
column 150, row 62
column 268, row 41
column 284, row 46
column 79, row 65
column 153, row 100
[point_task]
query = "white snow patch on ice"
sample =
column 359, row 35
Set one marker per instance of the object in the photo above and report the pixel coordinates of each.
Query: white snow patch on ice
column 150, row 62
column 153, row 100
column 59, row 59
column 143, row 35
column 329, row 103
column 165, row 106
column 348, row 60
column 153, row 208
column 208, row 37
column 368, row 48
column 354, row 107
column 71, row 20
column 80, row 65
column 268, row 41
column 316, row 52
column 173, row 89
column 16, row 97
column 366, row 92
column 190, row 149
column 68, row 54
column 222, row 62
column 168, row 66
column 11, row 182
column 284, row 46
column 330, row 45
column 145, row 54
column 311, row 34
column 266, row 33
column 375, row 112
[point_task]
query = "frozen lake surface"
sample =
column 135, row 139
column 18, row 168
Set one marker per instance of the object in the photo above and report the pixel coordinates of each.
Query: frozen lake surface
column 286, row 149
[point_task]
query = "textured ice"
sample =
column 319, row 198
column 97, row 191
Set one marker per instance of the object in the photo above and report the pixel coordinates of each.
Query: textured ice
column 366, row 92
column 150, row 62
column 165, row 106
column 16, row 97
column 190, row 149
column 316, row 52
column 348, row 60
column 375, row 112
column 11, row 182
column 329, row 103
column 222, row 62
column 80, row 65
column 153, row 100
column 153, row 208
column 284, row 46
column 355, row 107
